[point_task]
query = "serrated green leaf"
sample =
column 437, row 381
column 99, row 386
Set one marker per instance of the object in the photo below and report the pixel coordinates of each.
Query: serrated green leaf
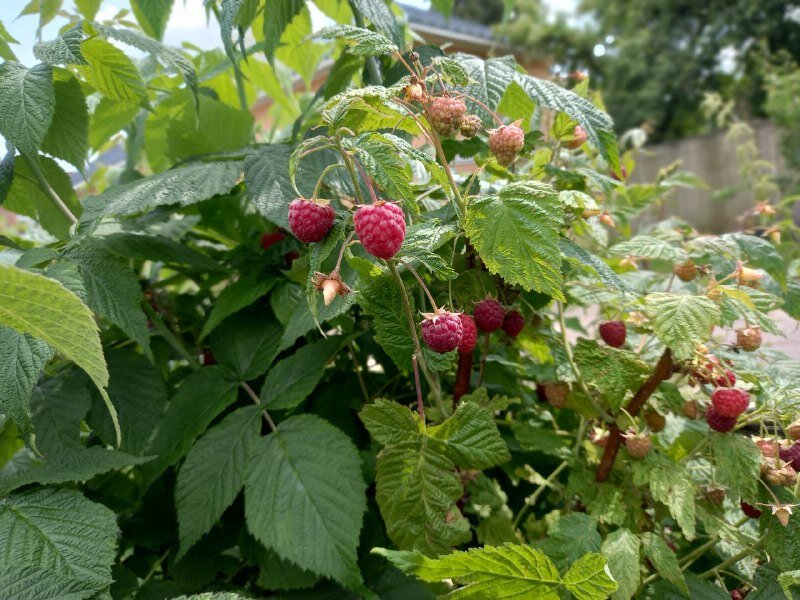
column 738, row 463
column 361, row 42
column 594, row 263
column 389, row 422
column 670, row 484
column 281, row 14
column 292, row 379
column 112, row 290
column 788, row 580
column 420, row 245
column 381, row 300
column 213, row 473
column 516, row 234
column 469, row 437
column 570, row 537
column 88, row 8
column 308, row 511
column 646, row 246
column 216, row 127
column 382, row 18
column 55, row 544
column 68, row 135
column 27, row 105
column 184, row 186
column 588, row 579
column 22, row 360
column 698, row 590
column 45, row 309
column 621, row 549
column 386, row 167
column 488, row 81
column 201, row 397
column 111, row 72
column 247, row 342
column 367, row 109
column 156, row 248
column 108, row 118
column 58, row 405
column 266, row 175
column 612, row 371
column 152, row 15
column 6, row 178
column 301, row 321
column 64, row 50
column 681, row 321
column 510, row 570
column 238, row 295
column 6, row 53
column 664, row 560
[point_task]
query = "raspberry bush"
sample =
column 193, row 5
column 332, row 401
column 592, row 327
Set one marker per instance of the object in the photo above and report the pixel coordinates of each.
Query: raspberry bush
column 321, row 357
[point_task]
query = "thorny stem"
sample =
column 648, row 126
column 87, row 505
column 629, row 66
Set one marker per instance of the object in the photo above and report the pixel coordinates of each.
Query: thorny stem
column 424, row 287
column 48, row 190
column 420, row 403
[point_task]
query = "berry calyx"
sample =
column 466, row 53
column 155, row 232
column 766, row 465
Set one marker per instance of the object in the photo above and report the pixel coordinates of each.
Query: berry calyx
column 556, row 394
column 446, row 114
column 470, row 126
column 768, row 447
column 270, row 239
column 469, row 336
column 310, row 221
column 717, row 422
column 489, row 315
column 442, row 331
column 505, row 143
column 513, row 323
column 686, row 271
column 330, row 285
column 778, row 472
column 381, row 228
column 749, row 338
column 730, row 402
column 749, row 510
column 638, row 444
column 613, row 333
column 579, row 138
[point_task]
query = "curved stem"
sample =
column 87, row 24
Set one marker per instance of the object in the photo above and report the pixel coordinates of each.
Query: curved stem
column 48, row 190
column 424, row 287
column 734, row 559
column 486, row 108
column 257, row 401
column 420, row 403
column 367, row 180
column 348, row 162
column 325, row 171
column 531, row 500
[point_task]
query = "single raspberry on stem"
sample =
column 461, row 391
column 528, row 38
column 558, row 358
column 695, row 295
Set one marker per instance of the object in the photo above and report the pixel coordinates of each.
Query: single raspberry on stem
column 489, row 315
column 309, row 220
column 506, row 142
column 442, row 331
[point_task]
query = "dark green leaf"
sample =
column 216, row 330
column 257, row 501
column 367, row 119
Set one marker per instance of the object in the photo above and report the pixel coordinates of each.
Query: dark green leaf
column 68, row 135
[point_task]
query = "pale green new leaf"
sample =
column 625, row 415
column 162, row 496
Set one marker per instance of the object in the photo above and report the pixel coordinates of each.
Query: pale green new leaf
column 281, row 14
column 367, row 109
column 361, row 42
column 45, row 309
column 621, row 549
column 55, row 544
column 496, row 572
column 588, row 579
column 213, row 474
column 68, row 135
column 738, row 463
column 292, row 379
column 308, row 510
column 681, row 321
column 516, row 233
column 611, row 370
column 664, row 560
column 22, row 360
column 111, row 72
column 469, row 437
column 646, row 246
column 152, row 15
column 389, row 422
column 183, row 186
column 27, row 105
column 236, row 296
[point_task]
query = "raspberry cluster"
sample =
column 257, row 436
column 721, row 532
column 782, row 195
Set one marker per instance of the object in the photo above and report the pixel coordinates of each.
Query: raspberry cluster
column 506, row 142
column 446, row 115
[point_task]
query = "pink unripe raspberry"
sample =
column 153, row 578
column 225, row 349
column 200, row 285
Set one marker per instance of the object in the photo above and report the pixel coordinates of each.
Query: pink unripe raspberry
column 469, row 336
column 470, row 126
column 381, row 227
column 446, row 115
column 310, row 221
column 442, row 332
column 489, row 315
column 513, row 323
column 506, row 142
column 717, row 422
column 578, row 138
column 613, row 333
column 730, row 402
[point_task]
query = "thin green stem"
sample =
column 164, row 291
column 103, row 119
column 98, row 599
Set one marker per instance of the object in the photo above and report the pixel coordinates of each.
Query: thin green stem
column 48, row 190
column 424, row 287
column 734, row 559
column 531, row 500
column 357, row 368
column 348, row 162
column 462, row 206
column 173, row 340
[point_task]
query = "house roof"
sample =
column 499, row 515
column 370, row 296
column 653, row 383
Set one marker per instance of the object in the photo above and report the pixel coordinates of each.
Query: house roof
column 432, row 19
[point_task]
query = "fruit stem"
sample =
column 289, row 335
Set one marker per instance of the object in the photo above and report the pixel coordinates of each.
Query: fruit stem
column 424, row 287
column 339, row 258
column 366, row 179
column 348, row 162
column 325, row 171
column 735, row 558
column 420, row 403
column 437, row 144
column 257, row 401
column 486, row 108
column 463, row 374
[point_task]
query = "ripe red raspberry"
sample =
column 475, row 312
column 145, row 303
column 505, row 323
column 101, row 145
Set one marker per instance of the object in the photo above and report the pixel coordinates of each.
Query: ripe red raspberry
column 727, row 379
column 578, row 138
column 730, row 402
column 309, row 220
column 638, row 445
column 717, row 422
column 381, row 227
column 505, row 143
column 469, row 337
column 442, row 332
column 749, row 338
column 446, row 115
column 489, row 315
column 791, row 455
column 556, row 393
column 470, row 126
column 750, row 510
column 685, row 271
column 613, row 333
column 208, row 357
column 513, row 323
column 270, row 239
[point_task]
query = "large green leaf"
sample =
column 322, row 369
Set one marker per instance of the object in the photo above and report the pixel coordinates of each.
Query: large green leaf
column 58, row 406
column 389, row 422
column 108, row 117
column 516, row 233
column 152, row 15
column 681, row 321
column 45, row 309
column 621, row 549
column 111, row 72
column 507, row 571
column 588, row 261
column 612, row 371
column 588, row 578
column 217, row 127
column 670, row 484
column 570, row 537
column 470, row 438
column 386, row 167
column 488, row 81
column 382, row 18
column 27, row 104
column 360, row 41
column 6, row 53
column 213, row 474
column 266, row 175
column 292, row 379
column 664, row 560
column 68, row 135
column 22, row 360
column 184, row 186
column 240, row 294
column 304, row 498
column 381, row 300
column 64, row 50
column 55, row 544
column 200, row 398
column 281, row 14
column 247, row 342
column 738, row 463
column 647, row 246
column 156, row 248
